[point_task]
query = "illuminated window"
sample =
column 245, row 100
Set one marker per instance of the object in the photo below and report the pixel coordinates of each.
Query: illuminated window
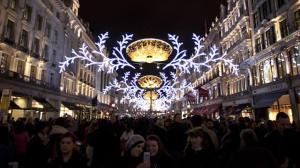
column 281, row 66
column 295, row 60
column 36, row 46
column 33, row 72
column 10, row 30
column 24, row 39
column 267, row 71
column 27, row 13
column 4, row 61
column 284, row 29
column 271, row 36
column 21, row 67
column 258, row 45
column 46, row 52
column 13, row 4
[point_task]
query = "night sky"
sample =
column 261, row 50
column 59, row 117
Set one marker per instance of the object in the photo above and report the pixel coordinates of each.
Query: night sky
column 150, row 19
column 154, row 18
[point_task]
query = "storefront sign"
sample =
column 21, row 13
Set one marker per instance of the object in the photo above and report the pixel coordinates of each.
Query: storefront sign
column 271, row 88
column 236, row 102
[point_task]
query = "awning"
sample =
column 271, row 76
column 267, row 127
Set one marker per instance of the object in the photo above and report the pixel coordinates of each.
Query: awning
column 72, row 106
column 13, row 105
column 241, row 107
column 198, row 111
column 266, row 100
column 47, row 106
column 213, row 108
column 206, row 109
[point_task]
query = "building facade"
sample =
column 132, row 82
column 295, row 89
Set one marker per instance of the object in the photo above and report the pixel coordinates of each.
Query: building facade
column 35, row 36
column 262, row 36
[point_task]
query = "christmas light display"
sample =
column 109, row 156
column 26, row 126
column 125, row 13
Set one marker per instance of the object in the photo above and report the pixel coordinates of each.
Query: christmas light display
column 128, row 88
column 199, row 59
column 172, row 85
column 107, row 64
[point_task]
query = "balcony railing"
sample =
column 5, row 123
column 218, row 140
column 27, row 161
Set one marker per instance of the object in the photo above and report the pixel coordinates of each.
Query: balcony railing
column 4, row 73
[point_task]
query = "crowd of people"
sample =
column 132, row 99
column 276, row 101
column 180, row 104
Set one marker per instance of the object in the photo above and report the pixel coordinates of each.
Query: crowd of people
column 170, row 142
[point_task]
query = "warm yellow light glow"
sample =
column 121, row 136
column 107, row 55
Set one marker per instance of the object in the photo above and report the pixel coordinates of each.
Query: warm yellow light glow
column 149, row 50
column 147, row 95
column 150, row 81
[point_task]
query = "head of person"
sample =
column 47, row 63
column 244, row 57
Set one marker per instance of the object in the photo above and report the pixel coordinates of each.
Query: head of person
column 283, row 120
column 154, row 145
column 177, row 117
column 209, row 124
column 42, row 127
column 196, row 120
column 135, row 145
column 67, row 143
column 248, row 138
column 198, row 138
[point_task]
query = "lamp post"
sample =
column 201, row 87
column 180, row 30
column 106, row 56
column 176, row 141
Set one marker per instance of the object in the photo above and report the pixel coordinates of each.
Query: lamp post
column 150, row 102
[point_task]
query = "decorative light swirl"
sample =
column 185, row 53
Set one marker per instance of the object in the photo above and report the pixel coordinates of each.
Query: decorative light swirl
column 199, row 59
column 107, row 64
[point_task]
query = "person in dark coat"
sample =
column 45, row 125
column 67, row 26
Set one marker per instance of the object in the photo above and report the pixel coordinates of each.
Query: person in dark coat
column 38, row 151
column 199, row 151
column 6, row 154
column 159, row 156
column 68, row 157
column 176, row 137
column 106, row 146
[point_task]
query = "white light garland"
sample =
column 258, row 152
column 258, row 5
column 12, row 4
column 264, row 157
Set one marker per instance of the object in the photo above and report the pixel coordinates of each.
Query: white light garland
column 199, row 59
column 107, row 64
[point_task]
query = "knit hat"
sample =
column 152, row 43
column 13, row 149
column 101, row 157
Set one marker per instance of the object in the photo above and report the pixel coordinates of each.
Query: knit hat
column 133, row 141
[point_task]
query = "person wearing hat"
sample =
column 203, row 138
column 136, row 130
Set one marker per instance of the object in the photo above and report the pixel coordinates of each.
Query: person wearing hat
column 133, row 157
column 199, row 151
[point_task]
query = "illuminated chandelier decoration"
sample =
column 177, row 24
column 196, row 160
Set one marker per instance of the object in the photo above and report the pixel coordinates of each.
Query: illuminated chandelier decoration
column 150, row 51
column 150, row 82
column 149, row 94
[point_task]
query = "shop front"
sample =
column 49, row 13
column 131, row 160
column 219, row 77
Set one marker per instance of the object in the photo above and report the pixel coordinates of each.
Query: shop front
column 268, row 105
column 209, row 111
column 240, row 107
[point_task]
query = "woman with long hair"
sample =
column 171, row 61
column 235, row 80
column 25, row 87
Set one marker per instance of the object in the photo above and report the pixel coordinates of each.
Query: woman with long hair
column 199, row 151
column 159, row 157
